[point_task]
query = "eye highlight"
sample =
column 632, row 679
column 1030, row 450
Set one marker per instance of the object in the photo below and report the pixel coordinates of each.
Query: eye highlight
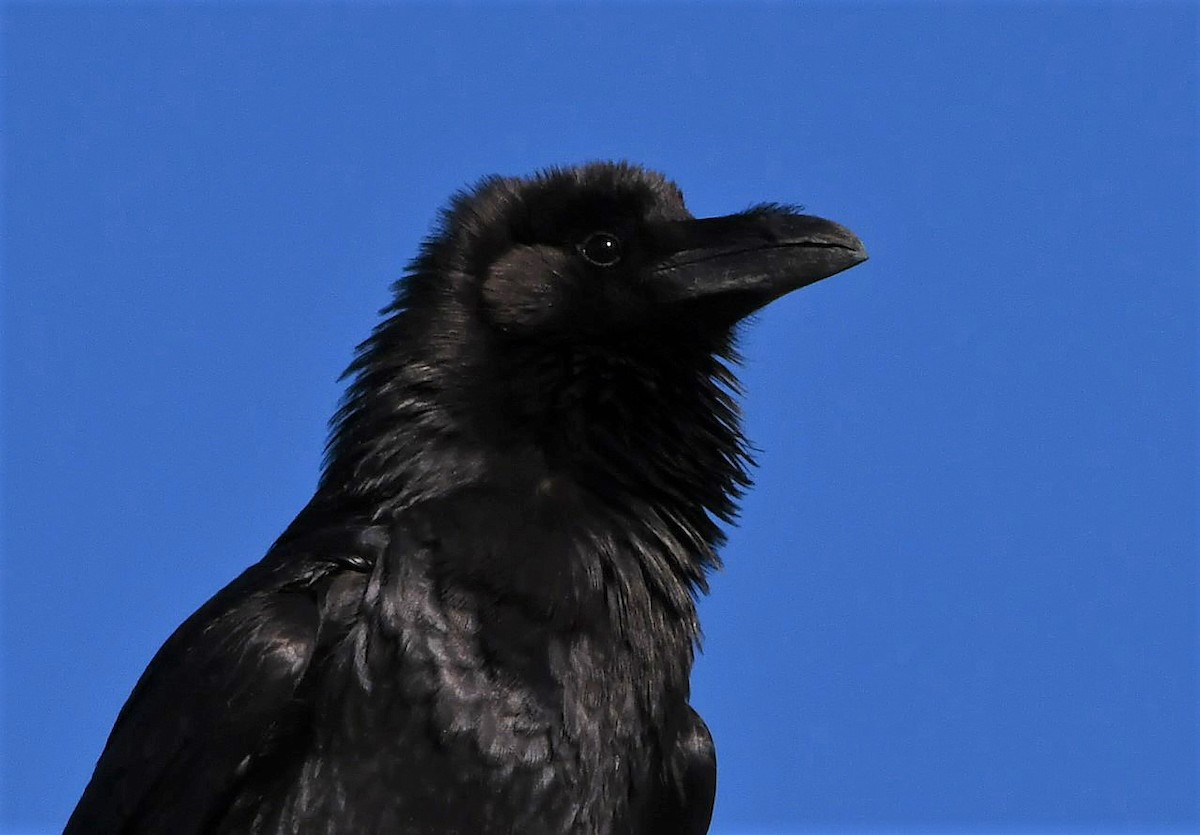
column 601, row 248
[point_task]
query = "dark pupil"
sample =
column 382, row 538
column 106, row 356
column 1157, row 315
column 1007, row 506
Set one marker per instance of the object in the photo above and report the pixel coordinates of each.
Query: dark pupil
column 602, row 249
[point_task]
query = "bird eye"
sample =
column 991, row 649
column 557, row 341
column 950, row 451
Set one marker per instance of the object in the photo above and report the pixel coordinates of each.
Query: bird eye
column 601, row 248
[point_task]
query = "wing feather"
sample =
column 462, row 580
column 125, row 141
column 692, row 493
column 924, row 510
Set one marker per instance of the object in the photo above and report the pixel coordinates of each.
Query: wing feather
column 222, row 694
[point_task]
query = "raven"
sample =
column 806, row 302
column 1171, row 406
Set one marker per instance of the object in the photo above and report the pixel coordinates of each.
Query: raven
column 484, row 621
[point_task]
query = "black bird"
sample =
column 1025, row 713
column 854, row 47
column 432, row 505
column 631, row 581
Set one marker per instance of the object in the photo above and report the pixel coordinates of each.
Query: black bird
column 484, row 620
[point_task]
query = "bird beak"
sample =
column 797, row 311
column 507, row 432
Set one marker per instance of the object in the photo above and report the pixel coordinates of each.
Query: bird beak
column 738, row 263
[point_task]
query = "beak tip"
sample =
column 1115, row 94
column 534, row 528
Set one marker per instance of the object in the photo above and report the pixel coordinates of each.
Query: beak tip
column 856, row 251
column 851, row 252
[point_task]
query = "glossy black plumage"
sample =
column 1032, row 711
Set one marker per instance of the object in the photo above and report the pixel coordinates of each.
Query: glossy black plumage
column 484, row 621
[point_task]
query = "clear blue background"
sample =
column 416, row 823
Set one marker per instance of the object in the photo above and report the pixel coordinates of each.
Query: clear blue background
column 963, row 595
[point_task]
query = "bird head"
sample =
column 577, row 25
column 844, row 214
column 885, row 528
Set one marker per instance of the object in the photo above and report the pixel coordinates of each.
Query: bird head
column 582, row 315
column 603, row 252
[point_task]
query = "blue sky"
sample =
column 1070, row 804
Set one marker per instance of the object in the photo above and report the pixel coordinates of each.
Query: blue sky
column 963, row 595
